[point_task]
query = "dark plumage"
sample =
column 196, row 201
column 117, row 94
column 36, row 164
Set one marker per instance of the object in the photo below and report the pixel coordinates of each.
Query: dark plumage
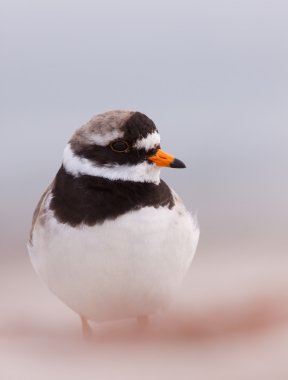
column 131, row 266
column 137, row 126
column 91, row 200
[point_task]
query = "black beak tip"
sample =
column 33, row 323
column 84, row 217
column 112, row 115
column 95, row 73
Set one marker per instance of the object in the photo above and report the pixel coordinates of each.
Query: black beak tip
column 177, row 164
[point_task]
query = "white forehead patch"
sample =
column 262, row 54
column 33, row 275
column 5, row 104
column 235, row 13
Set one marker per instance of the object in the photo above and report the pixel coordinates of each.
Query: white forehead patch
column 106, row 138
column 148, row 142
column 143, row 172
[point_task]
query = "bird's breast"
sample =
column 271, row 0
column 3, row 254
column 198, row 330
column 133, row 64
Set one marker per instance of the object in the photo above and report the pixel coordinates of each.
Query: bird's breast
column 127, row 265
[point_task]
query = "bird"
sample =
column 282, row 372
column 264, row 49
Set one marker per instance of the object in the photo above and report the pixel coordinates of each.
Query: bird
column 109, row 238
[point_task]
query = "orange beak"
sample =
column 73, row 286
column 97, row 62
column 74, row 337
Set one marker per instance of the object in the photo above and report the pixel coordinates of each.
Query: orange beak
column 162, row 158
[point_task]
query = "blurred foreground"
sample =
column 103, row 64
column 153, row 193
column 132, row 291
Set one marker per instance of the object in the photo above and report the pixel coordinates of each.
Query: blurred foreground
column 213, row 76
column 230, row 323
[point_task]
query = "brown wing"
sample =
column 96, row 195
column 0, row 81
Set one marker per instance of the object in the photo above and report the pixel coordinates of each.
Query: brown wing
column 39, row 209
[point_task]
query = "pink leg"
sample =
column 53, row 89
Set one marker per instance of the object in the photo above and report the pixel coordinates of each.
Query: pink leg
column 86, row 330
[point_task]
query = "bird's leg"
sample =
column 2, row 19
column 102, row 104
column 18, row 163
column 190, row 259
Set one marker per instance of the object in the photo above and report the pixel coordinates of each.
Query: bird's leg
column 143, row 321
column 86, row 329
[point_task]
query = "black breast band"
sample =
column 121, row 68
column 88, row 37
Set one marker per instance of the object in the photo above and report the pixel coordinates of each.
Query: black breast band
column 92, row 200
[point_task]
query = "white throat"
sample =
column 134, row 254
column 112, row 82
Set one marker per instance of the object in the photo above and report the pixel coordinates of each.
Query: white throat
column 143, row 172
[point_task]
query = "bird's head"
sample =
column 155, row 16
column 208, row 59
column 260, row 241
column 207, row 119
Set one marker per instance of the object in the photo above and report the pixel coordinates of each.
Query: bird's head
column 118, row 145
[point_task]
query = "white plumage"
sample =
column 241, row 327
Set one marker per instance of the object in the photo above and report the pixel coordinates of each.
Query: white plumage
column 143, row 172
column 127, row 264
column 123, row 268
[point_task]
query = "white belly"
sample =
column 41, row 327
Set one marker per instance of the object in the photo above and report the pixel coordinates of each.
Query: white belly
column 120, row 269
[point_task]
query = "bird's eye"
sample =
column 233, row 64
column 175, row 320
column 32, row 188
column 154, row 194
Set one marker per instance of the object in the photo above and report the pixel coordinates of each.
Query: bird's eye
column 120, row 146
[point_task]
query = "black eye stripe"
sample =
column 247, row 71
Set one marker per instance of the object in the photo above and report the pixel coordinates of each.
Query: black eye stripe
column 120, row 146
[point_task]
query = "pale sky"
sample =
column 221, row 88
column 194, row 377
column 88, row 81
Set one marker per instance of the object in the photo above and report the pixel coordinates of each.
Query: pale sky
column 213, row 75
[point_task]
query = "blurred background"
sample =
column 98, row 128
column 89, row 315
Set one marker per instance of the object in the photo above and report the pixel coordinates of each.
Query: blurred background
column 213, row 75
